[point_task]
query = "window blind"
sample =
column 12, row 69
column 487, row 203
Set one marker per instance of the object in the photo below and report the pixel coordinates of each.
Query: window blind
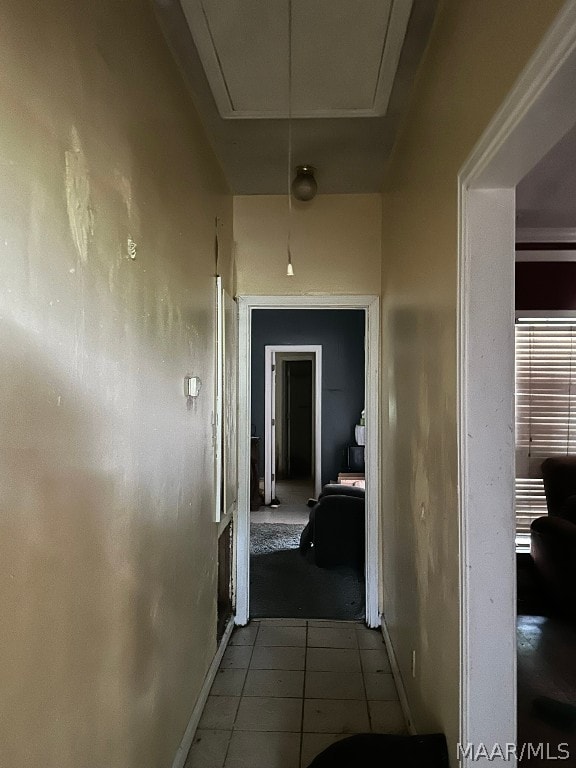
column 545, row 408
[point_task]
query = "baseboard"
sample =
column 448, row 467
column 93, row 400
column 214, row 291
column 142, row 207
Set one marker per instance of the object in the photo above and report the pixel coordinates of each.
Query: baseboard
column 190, row 731
column 397, row 678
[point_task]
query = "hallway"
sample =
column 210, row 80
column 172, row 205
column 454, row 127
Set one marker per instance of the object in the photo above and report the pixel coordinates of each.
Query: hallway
column 287, row 688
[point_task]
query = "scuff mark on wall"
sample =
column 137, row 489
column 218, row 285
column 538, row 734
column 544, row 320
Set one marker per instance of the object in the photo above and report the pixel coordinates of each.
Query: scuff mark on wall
column 80, row 214
column 131, row 248
column 123, row 186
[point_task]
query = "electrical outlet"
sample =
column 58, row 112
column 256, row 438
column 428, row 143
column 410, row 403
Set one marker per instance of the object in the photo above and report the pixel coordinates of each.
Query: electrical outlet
column 413, row 663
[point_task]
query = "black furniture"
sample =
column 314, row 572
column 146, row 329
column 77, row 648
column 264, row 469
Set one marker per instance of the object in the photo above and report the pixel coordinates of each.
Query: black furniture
column 256, row 499
column 553, row 537
column 385, row 750
column 335, row 533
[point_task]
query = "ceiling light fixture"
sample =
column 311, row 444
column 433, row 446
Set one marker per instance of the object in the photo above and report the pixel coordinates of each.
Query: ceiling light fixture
column 304, row 186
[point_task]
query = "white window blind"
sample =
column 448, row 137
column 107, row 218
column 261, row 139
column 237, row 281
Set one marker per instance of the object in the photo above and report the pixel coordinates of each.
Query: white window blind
column 545, row 408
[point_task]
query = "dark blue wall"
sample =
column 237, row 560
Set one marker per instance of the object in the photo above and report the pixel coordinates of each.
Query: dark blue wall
column 341, row 334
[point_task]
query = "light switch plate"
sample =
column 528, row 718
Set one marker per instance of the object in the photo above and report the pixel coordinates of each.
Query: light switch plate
column 192, row 385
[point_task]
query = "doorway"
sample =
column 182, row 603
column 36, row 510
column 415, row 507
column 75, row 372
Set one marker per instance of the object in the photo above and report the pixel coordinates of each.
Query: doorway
column 369, row 305
column 293, row 420
column 538, row 112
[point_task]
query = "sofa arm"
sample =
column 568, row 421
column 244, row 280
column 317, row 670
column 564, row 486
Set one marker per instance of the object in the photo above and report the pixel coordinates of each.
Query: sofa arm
column 554, row 528
column 553, row 548
column 339, row 489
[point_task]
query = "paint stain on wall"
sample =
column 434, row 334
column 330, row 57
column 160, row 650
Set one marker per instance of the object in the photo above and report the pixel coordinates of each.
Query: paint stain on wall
column 123, row 186
column 80, row 216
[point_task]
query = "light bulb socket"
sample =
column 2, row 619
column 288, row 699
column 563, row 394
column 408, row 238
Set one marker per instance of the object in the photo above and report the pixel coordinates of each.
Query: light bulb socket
column 290, row 270
column 304, row 186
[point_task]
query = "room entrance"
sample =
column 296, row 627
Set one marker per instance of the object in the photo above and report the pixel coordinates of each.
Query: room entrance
column 292, row 420
column 538, row 112
column 337, row 405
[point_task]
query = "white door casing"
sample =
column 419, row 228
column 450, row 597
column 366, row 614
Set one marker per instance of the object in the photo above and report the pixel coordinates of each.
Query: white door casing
column 270, row 416
column 371, row 305
column 537, row 113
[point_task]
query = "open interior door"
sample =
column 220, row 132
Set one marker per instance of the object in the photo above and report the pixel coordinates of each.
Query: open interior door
column 270, row 427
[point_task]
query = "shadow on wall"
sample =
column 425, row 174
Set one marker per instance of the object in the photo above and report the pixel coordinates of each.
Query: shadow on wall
column 88, row 587
column 55, row 524
column 423, row 525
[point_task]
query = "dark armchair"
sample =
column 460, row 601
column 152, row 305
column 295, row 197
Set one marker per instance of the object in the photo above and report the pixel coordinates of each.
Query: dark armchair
column 553, row 537
column 335, row 531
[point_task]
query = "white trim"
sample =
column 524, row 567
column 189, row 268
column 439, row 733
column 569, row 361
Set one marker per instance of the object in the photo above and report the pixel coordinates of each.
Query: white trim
column 242, row 527
column 545, row 255
column 270, row 351
column 371, row 304
column 219, row 403
column 486, row 443
column 398, row 680
column 543, row 315
column 546, row 235
column 188, row 738
column 269, row 415
column 372, row 460
column 548, row 80
column 540, row 109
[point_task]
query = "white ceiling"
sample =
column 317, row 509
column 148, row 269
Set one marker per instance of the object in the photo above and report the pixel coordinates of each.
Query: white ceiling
column 546, row 197
column 344, row 56
column 353, row 64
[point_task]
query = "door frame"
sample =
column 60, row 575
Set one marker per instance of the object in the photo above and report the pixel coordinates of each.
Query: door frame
column 270, row 350
column 371, row 306
column 537, row 113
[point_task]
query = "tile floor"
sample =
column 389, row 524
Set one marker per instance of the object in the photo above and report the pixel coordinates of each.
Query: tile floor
column 545, row 668
column 287, row 688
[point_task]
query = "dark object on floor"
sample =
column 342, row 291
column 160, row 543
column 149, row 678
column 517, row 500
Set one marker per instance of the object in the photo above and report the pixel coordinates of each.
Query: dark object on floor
column 386, row 750
column 256, row 498
column 285, row 584
column 545, row 668
column 335, row 532
column 532, row 599
column 275, row 503
column 553, row 537
column 556, row 713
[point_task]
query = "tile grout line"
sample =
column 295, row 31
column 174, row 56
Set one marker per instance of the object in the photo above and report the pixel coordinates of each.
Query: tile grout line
column 364, row 685
column 303, row 695
column 240, row 698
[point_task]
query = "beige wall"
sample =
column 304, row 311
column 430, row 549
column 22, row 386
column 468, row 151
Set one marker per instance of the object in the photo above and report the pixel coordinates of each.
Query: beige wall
column 107, row 549
column 336, row 245
column 477, row 51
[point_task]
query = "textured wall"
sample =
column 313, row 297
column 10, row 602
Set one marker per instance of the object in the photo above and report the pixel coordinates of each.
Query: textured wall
column 341, row 335
column 476, row 52
column 336, row 246
column 107, row 549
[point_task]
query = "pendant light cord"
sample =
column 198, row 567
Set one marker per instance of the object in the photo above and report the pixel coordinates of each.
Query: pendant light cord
column 290, row 272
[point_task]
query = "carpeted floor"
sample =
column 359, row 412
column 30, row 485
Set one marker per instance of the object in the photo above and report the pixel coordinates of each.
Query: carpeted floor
column 285, row 584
